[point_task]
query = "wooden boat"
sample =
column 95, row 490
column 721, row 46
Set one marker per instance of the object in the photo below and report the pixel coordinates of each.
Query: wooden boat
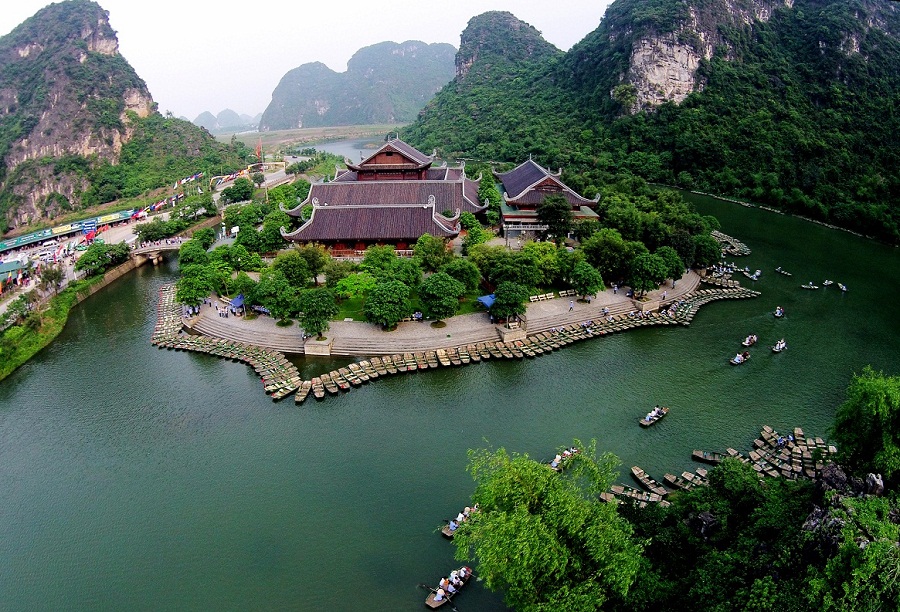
column 809, row 286
column 737, row 455
column 453, row 354
column 410, row 360
column 647, row 482
column 827, row 282
column 358, row 371
column 350, row 377
column 339, row 379
column 369, row 368
column 303, row 391
column 446, row 532
column 318, row 388
column 750, row 340
column 378, row 364
column 707, row 457
column 781, row 271
column 388, row 363
column 430, row 601
column 563, row 459
column 329, row 384
column 652, row 420
column 678, row 482
column 443, row 357
column 779, row 312
column 778, row 348
column 420, row 361
column 742, row 362
column 842, row 286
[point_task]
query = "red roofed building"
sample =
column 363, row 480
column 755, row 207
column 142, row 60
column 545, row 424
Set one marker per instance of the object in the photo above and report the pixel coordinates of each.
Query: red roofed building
column 391, row 197
column 524, row 189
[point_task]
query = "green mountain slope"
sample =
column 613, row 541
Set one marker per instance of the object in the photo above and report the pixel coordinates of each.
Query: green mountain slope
column 78, row 126
column 384, row 83
column 793, row 104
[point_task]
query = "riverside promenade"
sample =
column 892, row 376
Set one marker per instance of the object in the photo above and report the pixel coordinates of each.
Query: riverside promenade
column 356, row 338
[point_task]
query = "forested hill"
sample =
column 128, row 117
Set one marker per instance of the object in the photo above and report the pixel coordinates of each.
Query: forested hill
column 792, row 103
column 384, row 83
column 77, row 124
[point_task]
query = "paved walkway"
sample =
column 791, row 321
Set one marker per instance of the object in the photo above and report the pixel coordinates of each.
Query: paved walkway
column 359, row 338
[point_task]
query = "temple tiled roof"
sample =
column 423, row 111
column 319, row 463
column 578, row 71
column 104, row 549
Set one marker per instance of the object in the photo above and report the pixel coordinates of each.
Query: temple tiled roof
column 415, row 157
column 448, row 195
column 519, row 182
column 368, row 223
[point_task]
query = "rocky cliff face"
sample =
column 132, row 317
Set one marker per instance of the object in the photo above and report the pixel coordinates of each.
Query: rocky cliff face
column 64, row 91
column 500, row 36
column 664, row 61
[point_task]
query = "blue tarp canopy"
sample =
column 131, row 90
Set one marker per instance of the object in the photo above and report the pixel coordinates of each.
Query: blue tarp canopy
column 238, row 301
column 487, row 300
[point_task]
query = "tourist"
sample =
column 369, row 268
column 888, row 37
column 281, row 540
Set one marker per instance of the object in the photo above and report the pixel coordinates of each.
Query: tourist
column 571, row 305
column 460, row 517
column 439, row 595
column 454, row 525
column 615, row 289
column 556, row 461
column 467, row 511
column 738, row 358
column 444, row 583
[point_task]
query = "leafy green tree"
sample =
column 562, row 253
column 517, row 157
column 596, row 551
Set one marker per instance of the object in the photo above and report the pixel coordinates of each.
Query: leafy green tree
column 544, row 256
column 647, row 273
column 706, row 250
column 387, row 304
column 240, row 191
column 220, row 275
column 316, row 258
column 586, row 280
column 674, row 264
column 194, row 285
column 440, row 295
column 405, row 270
column 205, row 236
column 98, row 258
column 336, row 269
column 556, row 213
column 475, row 236
column 293, row 267
column 317, row 307
column 245, row 285
column 377, row 260
column 468, row 221
column 585, row 229
column 464, row 271
column 192, row 252
column 277, row 294
column 52, row 278
column 544, row 538
column 509, row 299
column 432, row 252
column 270, row 238
column 566, row 260
column 607, row 251
column 258, row 179
column 867, row 425
column 683, row 243
column 357, row 284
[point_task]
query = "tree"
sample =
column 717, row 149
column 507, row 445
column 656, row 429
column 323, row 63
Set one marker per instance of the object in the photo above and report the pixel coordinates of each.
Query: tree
column 673, row 263
column 440, row 295
column 357, row 284
column 336, row 269
column 52, row 278
column 258, row 179
column 240, row 191
column 378, row 259
column 407, row 271
column 387, row 304
column 277, row 294
column 585, row 229
column 194, row 286
column 98, row 258
column 270, row 238
column 544, row 256
column 544, row 538
column 192, row 252
column 317, row 307
column 586, row 280
column 647, row 273
column 509, row 300
column 867, row 425
column 315, row 257
column 706, row 250
column 432, row 252
column 464, row 271
column 293, row 267
column 556, row 213
column 205, row 236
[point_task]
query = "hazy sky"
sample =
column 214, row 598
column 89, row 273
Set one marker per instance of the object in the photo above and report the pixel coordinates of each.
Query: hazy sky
column 198, row 55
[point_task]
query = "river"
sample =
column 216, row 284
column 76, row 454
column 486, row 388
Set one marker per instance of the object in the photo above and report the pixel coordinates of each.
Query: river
column 137, row 478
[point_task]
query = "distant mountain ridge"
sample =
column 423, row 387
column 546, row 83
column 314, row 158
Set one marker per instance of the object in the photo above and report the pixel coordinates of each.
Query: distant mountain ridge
column 384, row 83
column 227, row 121
column 78, row 126
column 791, row 103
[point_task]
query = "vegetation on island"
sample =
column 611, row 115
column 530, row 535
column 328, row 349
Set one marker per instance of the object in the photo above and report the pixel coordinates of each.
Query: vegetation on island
column 794, row 112
column 741, row 543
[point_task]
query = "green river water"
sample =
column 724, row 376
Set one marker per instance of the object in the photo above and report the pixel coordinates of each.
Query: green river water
column 138, row 478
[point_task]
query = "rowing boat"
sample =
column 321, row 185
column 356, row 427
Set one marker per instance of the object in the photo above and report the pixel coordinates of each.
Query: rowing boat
column 707, row 457
column 430, row 601
column 647, row 422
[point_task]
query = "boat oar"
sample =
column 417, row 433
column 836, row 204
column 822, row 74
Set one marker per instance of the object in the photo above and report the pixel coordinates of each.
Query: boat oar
column 448, row 599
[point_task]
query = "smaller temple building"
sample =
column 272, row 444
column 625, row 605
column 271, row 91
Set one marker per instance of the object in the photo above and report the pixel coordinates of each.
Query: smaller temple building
column 394, row 196
column 524, row 189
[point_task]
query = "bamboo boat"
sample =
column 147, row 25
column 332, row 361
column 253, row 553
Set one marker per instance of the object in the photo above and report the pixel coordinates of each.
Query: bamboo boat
column 647, row 482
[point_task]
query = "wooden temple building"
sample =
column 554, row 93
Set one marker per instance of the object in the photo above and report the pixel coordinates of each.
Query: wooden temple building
column 394, row 196
column 524, row 189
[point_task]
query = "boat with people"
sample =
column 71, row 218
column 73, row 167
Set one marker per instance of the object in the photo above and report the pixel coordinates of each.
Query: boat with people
column 740, row 358
column 561, row 459
column 779, row 346
column 827, row 282
column 781, row 270
column 842, row 286
column 654, row 415
column 448, row 587
column 779, row 312
column 809, row 285
column 750, row 340
column 453, row 524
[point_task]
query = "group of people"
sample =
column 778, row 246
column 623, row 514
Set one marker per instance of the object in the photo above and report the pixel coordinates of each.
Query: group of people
column 750, row 340
column 560, row 457
column 780, row 345
column 742, row 357
column 654, row 414
column 462, row 517
column 449, row 585
column 779, row 311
